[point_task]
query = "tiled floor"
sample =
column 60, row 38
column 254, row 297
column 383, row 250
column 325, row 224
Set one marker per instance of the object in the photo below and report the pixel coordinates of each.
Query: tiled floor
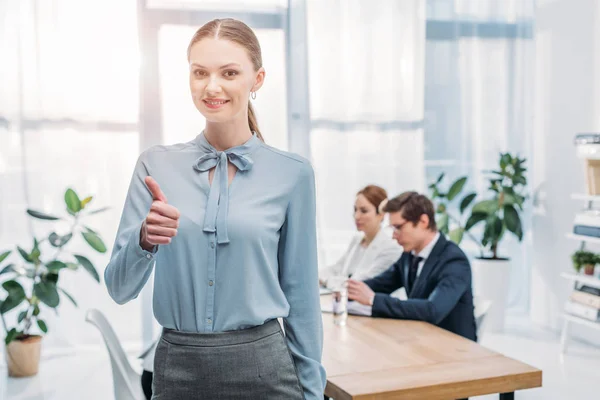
column 87, row 375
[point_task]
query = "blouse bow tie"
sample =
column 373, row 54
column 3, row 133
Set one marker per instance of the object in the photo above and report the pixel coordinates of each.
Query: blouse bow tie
column 215, row 219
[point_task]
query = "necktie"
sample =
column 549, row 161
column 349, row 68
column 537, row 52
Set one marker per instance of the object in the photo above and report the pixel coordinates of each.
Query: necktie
column 412, row 272
column 215, row 219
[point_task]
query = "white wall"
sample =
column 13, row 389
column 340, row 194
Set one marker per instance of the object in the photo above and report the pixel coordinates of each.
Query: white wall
column 567, row 102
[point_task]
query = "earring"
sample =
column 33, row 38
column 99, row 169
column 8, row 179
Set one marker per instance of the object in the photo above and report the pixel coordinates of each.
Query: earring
column 253, row 95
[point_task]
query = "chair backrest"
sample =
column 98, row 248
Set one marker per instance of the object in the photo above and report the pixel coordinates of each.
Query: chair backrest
column 482, row 306
column 126, row 381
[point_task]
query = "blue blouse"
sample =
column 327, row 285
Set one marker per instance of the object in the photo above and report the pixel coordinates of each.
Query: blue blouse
column 245, row 253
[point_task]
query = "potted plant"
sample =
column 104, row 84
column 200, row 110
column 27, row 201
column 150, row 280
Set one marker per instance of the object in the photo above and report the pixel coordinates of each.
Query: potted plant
column 447, row 222
column 499, row 214
column 32, row 283
column 586, row 260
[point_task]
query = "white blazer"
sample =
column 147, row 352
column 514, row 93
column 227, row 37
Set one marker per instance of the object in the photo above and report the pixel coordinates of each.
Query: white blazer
column 381, row 253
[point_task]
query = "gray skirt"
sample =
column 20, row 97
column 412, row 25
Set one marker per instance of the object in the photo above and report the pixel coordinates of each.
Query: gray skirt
column 248, row 364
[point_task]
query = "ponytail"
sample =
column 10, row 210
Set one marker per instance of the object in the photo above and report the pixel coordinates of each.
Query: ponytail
column 252, row 121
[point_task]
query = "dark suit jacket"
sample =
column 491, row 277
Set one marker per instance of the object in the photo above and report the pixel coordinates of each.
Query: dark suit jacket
column 442, row 294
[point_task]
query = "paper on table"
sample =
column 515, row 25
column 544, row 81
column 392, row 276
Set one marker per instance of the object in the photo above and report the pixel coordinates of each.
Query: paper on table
column 354, row 308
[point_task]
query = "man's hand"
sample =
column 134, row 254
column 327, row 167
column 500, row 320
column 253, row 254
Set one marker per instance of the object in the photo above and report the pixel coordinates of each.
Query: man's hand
column 360, row 292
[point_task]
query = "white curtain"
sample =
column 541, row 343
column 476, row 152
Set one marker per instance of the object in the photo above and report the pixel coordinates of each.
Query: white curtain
column 479, row 102
column 366, row 67
column 68, row 112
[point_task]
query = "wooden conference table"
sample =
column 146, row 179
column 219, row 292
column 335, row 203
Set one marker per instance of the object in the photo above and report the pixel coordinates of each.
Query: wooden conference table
column 375, row 358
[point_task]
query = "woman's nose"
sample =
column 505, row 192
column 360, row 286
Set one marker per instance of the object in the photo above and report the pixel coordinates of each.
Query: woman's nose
column 213, row 85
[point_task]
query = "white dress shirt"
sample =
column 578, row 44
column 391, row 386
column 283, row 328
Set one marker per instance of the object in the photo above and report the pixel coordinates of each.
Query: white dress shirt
column 424, row 254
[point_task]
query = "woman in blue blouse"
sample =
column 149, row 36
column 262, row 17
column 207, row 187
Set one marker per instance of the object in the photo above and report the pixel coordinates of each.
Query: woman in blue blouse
column 228, row 224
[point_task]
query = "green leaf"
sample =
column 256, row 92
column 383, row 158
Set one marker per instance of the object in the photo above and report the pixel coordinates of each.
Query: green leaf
column 36, row 311
column 51, row 277
column 42, row 325
column 41, row 215
column 520, row 180
column 9, row 268
column 85, row 201
column 10, row 336
column 456, row 188
column 99, row 210
column 72, row 201
column 4, row 255
column 439, row 179
column 474, row 219
column 486, row 207
column 466, row 202
column 72, row 266
column 59, row 241
column 69, row 297
column 87, row 228
column 492, row 231
column 512, row 221
column 22, row 316
column 25, row 255
column 56, row 265
column 94, row 241
column 456, row 235
column 442, row 223
column 47, row 293
column 505, row 159
column 89, row 267
column 16, row 295
column 14, row 288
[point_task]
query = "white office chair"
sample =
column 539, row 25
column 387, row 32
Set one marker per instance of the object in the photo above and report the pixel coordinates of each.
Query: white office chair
column 482, row 306
column 126, row 380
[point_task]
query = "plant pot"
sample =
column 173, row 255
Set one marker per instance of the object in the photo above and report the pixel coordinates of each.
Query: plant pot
column 23, row 356
column 490, row 282
column 588, row 269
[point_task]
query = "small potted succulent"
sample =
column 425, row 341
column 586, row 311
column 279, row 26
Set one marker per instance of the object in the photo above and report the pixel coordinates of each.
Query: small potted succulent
column 31, row 283
column 586, row 260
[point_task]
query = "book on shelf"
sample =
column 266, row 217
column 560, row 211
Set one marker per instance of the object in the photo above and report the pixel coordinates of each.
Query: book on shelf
column 585, row 298
column 587, row 223
column 590, row 289
column 582, row 310
column 583, row 230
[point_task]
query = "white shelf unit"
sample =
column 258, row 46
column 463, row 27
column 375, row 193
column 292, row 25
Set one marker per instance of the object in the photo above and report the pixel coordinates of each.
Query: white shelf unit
column 580, row 279
column 583, row 238
column 568, row 319
column 585, row 197
column 586, row 280
column 582, row 321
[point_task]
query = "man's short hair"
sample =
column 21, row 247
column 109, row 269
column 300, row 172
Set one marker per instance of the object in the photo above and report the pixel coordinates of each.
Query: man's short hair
column 412, row 205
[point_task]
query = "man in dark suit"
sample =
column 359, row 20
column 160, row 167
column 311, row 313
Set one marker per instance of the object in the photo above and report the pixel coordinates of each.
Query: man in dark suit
column 434, row 271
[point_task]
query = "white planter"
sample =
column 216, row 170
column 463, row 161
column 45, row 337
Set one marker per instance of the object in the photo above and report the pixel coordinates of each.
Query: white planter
column 490, row 282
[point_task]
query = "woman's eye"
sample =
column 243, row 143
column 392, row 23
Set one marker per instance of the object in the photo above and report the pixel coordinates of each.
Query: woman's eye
column 199, row 73
column 230, row 74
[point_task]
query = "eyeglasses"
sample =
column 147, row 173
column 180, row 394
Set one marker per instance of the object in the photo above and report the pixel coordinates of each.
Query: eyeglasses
column 398, row 228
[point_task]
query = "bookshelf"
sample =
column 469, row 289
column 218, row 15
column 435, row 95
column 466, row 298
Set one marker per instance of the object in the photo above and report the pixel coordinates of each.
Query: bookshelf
column 568, row 319
column 579, row 279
